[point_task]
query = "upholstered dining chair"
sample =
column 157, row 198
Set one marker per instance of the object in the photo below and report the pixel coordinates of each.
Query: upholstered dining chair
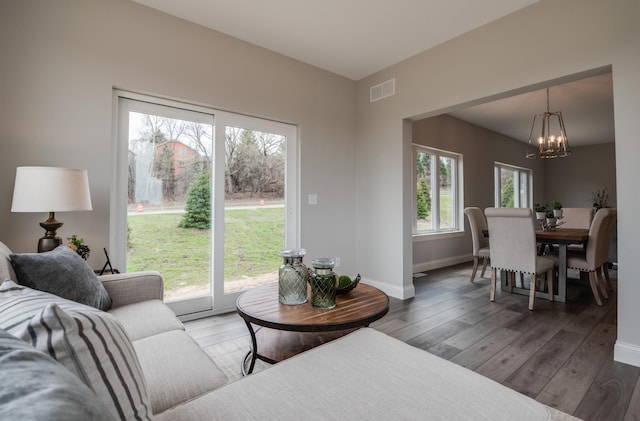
column 512, row 243
column 597, row 252
column 478, row 224
column 610, row 228
column 576, row 218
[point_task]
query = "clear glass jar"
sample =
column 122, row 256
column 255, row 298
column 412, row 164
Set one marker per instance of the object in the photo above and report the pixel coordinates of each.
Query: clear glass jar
column 323, row 283
column 292, row 278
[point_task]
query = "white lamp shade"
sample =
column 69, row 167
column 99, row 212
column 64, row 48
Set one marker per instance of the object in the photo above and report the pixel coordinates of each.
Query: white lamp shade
column 50, row 189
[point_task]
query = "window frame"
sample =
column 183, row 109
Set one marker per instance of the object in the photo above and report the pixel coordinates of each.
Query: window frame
column 218, row 301
column 457, row 195
column 497, row 167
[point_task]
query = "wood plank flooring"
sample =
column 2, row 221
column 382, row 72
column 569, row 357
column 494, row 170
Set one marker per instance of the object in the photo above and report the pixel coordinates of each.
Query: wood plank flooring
column 560, row 354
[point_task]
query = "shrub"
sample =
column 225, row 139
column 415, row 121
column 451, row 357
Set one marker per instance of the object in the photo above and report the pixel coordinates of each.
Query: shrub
column 423, row 199
column 198, row 206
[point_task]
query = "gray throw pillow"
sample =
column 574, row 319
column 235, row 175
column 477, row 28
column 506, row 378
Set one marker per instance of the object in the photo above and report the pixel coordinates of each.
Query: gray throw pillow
column 63, row 273
column 35, row 387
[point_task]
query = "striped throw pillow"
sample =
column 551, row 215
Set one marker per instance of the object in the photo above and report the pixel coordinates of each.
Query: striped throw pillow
column 90, row 343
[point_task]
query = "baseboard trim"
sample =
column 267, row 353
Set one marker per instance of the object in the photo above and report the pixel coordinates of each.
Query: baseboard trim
column 441, row 263
column 408, row 291
column 626, row 353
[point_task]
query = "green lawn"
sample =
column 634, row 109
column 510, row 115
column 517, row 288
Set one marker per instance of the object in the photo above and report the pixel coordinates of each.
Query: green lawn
column 445, row 214
column 253, row 240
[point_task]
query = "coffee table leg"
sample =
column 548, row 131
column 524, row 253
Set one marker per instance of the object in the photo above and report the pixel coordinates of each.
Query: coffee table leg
column 252, row 354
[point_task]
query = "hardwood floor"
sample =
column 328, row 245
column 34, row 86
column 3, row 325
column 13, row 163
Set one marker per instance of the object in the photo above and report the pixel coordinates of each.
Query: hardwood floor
column 560, row 354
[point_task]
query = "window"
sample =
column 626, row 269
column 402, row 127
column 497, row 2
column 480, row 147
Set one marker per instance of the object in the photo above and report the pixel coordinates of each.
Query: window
column 437, row 192
column 513, row 186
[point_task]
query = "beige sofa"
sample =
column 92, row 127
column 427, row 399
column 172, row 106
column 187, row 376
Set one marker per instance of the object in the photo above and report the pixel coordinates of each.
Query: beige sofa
column 365, row 375
column 175, row 368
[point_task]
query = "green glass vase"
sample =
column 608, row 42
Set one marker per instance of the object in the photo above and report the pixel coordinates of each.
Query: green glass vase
column 323, row 283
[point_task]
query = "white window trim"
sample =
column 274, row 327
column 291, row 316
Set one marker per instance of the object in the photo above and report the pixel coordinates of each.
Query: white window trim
column 458, row 177
column 498, row 186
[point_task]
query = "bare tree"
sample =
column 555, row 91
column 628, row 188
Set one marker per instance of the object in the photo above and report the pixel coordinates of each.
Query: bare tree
column 200, row 138
column 232, row 167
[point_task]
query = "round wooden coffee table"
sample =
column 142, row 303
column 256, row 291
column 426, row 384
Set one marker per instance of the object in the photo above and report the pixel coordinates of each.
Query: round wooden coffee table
column 286, row 330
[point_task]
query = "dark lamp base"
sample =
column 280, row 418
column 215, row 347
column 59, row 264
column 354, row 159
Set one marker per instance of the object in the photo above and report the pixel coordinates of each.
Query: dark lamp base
column 49, row 241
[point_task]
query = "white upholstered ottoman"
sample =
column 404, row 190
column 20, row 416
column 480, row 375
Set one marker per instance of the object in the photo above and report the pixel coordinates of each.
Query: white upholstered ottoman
column 365, row 375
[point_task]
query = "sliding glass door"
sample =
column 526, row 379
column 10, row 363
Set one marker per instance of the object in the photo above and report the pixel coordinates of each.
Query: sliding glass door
column 205, row 197
column 258, row 210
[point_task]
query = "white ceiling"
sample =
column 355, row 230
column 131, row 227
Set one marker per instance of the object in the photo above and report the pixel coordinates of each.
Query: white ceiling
column 586, row 106
column 356, row 38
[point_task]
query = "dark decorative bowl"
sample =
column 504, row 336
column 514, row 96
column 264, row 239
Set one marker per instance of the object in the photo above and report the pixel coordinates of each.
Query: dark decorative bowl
column 348, row 288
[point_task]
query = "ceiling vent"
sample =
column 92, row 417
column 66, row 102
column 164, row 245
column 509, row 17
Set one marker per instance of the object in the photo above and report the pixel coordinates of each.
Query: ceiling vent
column 382, row 90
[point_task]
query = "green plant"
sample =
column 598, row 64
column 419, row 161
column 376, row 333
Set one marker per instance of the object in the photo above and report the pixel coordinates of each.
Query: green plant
column 540, row 207
column 601, row 199
column 507, row 194
column 423, row 199
column 77, row 244
column 550, row 213
column 198, row 206
column 557, row 205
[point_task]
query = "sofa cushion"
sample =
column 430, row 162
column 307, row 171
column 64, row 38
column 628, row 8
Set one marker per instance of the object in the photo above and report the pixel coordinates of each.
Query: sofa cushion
column 61, row 272
column 35, row 386
column 176, row 369
column 146, row 318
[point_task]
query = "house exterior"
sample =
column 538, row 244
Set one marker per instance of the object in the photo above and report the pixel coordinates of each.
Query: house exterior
column 61, row 62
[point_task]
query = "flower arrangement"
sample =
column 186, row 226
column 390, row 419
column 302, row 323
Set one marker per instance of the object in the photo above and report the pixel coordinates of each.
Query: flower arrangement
column 600, row 199
column 77, row 244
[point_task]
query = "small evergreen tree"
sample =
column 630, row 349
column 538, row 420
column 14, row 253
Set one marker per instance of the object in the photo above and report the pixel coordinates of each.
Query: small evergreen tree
column 507, row 194
column 198, row 207
column 423, row 199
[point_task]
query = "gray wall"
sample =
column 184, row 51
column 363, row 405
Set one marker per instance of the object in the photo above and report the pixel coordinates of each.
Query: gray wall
column 574, row 179
column 62, row 59
column 508, row 56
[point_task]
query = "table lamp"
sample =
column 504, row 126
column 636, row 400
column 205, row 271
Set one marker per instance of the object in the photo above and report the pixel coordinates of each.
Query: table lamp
column 50, row 189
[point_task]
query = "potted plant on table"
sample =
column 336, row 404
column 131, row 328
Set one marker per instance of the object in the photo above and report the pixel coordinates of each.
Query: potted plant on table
column 600, row 199
column 541, row 211
column 77, row 244
column 551, row 219
column 557, row 209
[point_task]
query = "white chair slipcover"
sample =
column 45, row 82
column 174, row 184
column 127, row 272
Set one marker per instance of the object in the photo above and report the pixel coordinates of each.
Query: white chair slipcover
column 512, row 242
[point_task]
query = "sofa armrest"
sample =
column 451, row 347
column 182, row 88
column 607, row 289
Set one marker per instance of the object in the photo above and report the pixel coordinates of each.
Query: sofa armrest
column 133, row 287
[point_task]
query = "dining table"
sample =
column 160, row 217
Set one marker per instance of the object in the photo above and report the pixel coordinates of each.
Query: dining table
column 562, row 237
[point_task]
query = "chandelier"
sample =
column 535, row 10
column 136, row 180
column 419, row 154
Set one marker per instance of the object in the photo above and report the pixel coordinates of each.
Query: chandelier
column 552, row 141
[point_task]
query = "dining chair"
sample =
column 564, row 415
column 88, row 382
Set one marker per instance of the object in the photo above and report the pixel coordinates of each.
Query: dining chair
column 576, row 218
column 596, row 253
column 513, row 248
column 478, row 224
column 610, row 228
